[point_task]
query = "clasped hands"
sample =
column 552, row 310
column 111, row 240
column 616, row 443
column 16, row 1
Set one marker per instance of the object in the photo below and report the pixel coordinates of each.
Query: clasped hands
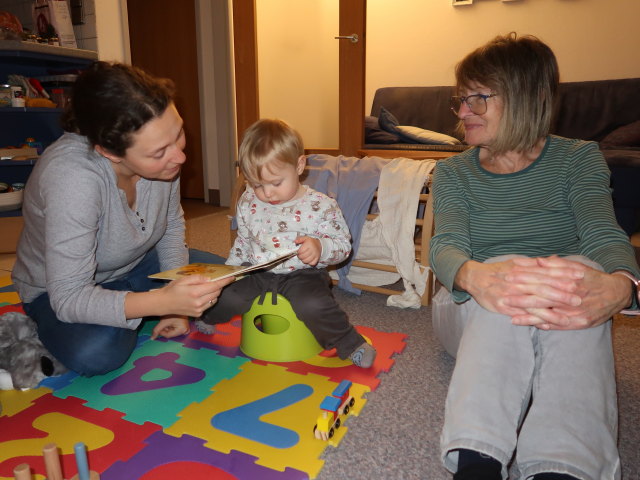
column 548, row 293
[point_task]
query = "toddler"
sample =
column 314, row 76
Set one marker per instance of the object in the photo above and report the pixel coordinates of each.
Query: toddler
column 275, row 214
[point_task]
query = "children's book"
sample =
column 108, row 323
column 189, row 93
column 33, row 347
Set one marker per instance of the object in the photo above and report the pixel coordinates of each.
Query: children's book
column 218, row 272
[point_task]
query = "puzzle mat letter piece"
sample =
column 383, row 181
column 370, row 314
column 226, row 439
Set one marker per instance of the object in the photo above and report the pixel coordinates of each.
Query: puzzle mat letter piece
column 65, row 422
column 178, row 374
column 253, row 398
column 167, row 457
column 14, row 401
column 328, row 364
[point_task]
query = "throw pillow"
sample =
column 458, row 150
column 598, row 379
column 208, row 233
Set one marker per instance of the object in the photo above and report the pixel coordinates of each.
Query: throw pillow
column 374, row 134
column 387, row 120
column 627, row 135
column 421, row 135
column 409, row 134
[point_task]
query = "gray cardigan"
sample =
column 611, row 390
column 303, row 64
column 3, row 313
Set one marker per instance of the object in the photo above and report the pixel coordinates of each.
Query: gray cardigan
column 79, row 232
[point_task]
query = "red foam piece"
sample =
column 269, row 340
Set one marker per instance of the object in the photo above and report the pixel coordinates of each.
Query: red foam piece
column 128, row 437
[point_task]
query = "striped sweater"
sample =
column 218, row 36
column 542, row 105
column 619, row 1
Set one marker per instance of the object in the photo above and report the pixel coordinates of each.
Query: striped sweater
column 560, row 204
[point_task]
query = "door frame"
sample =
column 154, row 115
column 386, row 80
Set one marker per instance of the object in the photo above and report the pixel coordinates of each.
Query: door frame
column 352, row 70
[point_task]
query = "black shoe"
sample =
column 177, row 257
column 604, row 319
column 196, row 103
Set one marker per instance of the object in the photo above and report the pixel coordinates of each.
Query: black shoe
column 474, row 465
column 479, row 472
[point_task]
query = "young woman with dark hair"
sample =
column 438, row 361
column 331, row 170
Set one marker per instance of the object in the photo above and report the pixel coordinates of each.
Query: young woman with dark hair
column 102, row 212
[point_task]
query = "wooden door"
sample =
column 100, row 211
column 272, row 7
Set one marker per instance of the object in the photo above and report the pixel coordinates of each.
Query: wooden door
column 351, row 71
column 163, row 42
column 353, row 20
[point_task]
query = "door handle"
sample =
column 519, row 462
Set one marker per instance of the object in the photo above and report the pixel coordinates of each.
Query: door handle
column 353, row 37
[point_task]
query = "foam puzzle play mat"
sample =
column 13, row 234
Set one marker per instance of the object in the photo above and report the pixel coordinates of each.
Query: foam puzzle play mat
column 191, row 407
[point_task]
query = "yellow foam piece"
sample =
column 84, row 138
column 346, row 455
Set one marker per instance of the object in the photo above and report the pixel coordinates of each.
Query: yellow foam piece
column 252, row 384
column 14, row 401
column 61, row 429
column 5, row 280
column 9, row 297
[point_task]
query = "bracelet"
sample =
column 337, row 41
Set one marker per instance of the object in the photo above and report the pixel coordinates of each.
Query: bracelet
column 636, row 285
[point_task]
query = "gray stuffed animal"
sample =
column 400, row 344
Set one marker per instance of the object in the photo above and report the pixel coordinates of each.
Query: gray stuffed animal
column 22, row 355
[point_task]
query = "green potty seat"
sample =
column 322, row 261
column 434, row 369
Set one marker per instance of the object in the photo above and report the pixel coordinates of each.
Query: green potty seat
column 273, row 333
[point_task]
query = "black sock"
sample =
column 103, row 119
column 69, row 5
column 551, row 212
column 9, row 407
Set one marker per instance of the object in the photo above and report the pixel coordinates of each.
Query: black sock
column 474, row 465
column 553, row 476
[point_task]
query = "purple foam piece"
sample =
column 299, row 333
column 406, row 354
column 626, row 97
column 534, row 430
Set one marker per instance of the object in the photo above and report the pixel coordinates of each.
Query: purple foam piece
column 164, row 449
column 131, row 381
column 224, row 350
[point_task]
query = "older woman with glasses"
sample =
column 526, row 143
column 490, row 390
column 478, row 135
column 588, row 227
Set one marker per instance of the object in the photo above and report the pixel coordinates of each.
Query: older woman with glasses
column 533, row 266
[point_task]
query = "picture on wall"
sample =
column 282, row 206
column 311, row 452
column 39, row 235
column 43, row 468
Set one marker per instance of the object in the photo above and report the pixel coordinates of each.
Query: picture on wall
column 461, row 2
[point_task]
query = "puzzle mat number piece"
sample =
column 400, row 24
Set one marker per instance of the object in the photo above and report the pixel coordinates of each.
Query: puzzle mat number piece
column 65, row 422
column 226, row 341
column 171, row 371
column 167, row 457
column 266, row 412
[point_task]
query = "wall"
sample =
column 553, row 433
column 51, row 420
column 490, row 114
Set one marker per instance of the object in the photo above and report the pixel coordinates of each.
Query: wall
column 417, row 42
column 112, row 30
column 298, row 66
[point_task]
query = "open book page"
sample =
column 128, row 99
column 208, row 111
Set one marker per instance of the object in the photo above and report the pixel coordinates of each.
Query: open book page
column 217, row 272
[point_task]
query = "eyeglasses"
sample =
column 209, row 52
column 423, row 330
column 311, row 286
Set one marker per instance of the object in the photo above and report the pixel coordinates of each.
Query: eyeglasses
column 477, row 103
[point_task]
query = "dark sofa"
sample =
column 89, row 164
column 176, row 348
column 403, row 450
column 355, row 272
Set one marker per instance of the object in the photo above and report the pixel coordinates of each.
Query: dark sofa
column 605, row 111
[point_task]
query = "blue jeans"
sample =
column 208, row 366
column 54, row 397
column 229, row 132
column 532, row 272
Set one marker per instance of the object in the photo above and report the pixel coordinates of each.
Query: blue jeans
column 90, row 349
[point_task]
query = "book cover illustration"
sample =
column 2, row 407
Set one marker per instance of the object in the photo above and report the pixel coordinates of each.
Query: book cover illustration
column 217, row 272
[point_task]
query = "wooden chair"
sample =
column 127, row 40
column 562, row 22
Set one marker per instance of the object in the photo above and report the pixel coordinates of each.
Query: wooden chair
column 423, row 233
column 422, row 237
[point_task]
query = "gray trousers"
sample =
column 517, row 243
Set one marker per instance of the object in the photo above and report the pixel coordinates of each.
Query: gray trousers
column 309, row 292
column 550, row 396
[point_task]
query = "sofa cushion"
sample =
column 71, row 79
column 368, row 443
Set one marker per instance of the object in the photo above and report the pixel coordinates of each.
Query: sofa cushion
column 626, row 136
column 411, row 134
column 374, row 134
column 589, row 110
column 421, row 135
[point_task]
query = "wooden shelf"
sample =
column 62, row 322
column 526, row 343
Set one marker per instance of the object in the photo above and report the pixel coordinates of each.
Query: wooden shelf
column 39, row 52
column 414, row 154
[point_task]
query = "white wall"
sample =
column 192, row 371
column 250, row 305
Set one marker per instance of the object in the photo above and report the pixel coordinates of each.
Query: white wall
column 298, row 66
column 418, row 42
column 112, row 30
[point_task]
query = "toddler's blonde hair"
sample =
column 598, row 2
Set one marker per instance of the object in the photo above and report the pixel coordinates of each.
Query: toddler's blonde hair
column 265, row 141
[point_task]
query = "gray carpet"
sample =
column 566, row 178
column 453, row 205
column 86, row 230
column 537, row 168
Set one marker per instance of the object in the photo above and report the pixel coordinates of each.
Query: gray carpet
column 397, row 434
